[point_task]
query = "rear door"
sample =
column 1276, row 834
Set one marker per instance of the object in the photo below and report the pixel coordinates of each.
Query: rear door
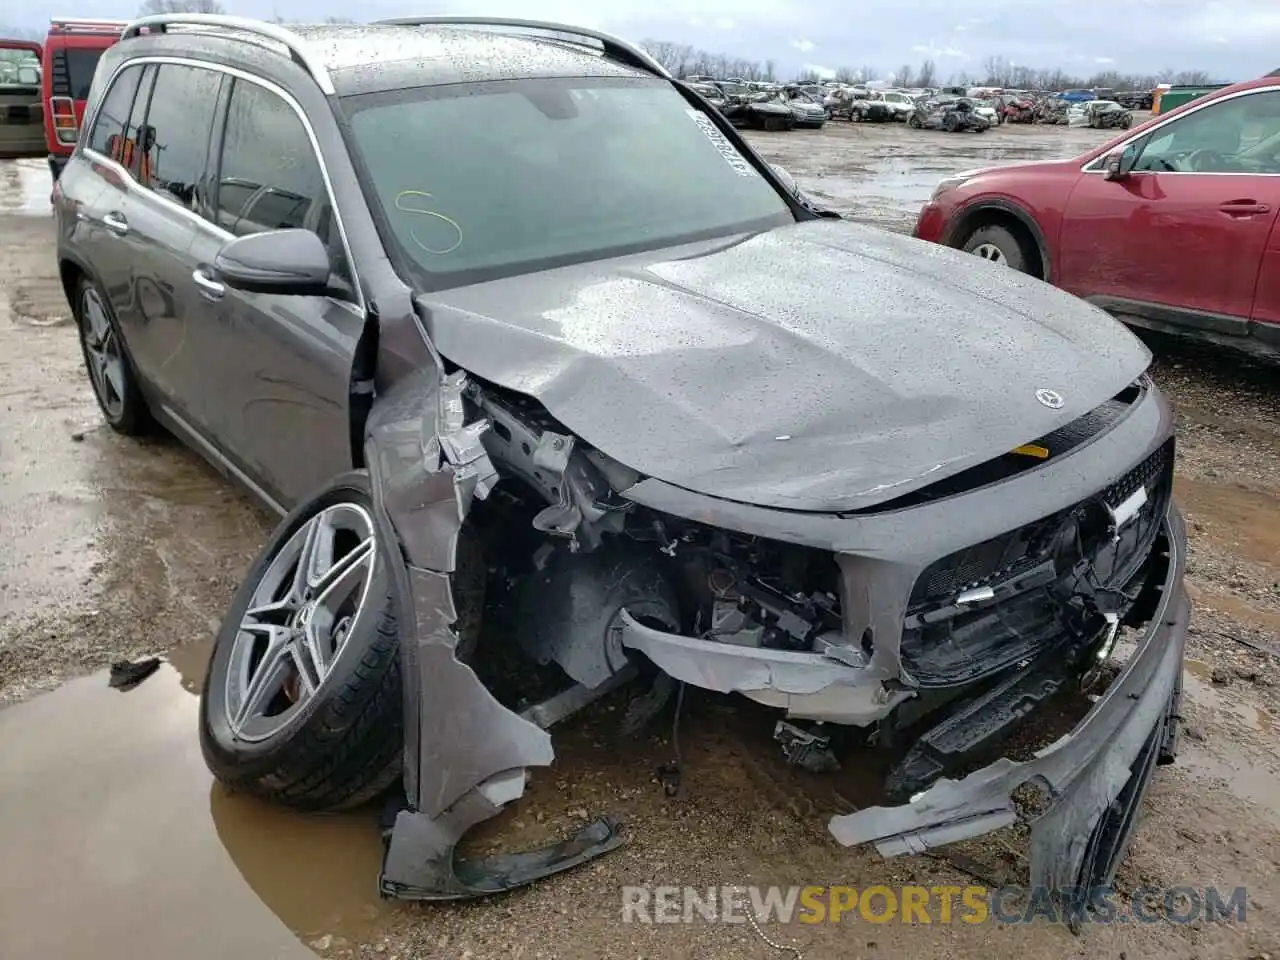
column 1180, row 241
column 21, row 108
column 278, row 368
column 161, row 160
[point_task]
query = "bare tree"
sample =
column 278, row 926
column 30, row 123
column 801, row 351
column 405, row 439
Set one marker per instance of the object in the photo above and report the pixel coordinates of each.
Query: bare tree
column 927, row 74
column 150, row 7
column 903, row 77
column 683, row 60
column 847, row 75
column 1192, row 76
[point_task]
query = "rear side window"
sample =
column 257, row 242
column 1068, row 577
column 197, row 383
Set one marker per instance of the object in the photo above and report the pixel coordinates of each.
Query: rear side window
column 107, row 135
column 71, row 71
column 173, row 144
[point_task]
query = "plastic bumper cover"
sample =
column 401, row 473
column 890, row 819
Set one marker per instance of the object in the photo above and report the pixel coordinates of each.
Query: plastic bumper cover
column 1093, row 777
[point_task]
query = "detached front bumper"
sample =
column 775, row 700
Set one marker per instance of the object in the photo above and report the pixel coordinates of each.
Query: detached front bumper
column 1091, row 780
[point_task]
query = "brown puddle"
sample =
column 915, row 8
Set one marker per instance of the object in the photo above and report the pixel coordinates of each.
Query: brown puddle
column 1249, row 774
column 1245, row 520
column 116, row 842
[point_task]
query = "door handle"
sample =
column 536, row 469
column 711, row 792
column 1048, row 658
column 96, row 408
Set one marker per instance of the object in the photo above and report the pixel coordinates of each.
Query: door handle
column 1243, row 208
column 116, row 223
column 210, row 288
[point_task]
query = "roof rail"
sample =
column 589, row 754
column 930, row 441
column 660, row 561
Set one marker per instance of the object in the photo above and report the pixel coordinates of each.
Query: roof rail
column 614, row 47
column 87, row 24
column 294, row 44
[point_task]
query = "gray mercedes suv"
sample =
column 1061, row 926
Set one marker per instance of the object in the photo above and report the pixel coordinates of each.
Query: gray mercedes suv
column 500, row 318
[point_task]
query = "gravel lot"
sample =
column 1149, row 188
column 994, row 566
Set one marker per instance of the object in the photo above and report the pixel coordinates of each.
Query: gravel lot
column 117, row 549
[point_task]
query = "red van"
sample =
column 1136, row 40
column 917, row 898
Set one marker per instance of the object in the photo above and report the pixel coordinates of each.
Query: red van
column 71, row 54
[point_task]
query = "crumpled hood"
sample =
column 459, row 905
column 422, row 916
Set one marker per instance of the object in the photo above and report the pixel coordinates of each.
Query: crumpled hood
column 823, row 366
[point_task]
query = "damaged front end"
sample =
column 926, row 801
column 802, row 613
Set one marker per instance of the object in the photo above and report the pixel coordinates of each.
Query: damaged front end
column 838, row 620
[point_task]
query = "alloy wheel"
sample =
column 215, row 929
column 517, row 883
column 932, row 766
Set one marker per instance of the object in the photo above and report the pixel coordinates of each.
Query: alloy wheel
column 308, row 601
column 990, row 252
column 102, row 351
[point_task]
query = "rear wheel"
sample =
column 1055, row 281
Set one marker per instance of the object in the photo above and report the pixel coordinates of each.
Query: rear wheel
column 110, row 373
column 913, row 122
column 999, row 245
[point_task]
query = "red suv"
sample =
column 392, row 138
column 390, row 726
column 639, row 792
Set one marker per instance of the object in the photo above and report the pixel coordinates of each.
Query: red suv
column 1171, row 226
column 71, row 53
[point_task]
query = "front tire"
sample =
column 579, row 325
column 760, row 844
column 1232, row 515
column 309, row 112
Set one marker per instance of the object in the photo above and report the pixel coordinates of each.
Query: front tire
column 302, row 699
column 111, row 374
column 997, row 244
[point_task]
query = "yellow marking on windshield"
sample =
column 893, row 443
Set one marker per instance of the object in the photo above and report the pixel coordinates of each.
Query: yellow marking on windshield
column 409, row 195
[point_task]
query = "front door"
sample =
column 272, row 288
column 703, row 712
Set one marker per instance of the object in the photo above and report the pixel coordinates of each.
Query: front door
column 1180, row 239
column 278, row 367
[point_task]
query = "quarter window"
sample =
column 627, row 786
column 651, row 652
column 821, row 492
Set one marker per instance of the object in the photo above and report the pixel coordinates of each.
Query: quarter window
column 108, row 128
column 172, row 146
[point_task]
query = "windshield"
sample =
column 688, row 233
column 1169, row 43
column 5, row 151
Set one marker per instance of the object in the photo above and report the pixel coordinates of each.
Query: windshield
column 482, row 180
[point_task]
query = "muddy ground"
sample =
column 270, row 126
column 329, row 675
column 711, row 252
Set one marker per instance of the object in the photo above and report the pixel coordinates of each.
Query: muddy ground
column 114, row 842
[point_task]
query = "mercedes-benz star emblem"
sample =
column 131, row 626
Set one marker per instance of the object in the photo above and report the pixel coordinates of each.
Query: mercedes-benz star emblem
column 1050, row 398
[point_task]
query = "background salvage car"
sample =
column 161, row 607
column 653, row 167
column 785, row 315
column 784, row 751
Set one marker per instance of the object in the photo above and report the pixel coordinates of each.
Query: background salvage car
column 806, row 111
column 950, row 116
column 1099, row 224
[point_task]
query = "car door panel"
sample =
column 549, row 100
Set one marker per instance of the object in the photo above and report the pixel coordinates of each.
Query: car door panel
column 1265, row 315
column 281, row 364
column 1169, row 239
column 167, row 155
column 99, row 243
column 1186, row 229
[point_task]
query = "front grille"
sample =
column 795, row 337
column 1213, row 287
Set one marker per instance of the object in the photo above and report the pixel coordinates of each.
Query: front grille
column 1053, row 579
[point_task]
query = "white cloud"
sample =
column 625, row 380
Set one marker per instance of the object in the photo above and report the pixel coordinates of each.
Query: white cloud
column 935, row 52
column 824, row 73
column 724, row 23
column 1104, row 60
column 804, row 46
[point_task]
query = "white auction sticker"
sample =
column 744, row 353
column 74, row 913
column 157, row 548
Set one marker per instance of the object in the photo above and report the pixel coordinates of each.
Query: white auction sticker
column 718, row 140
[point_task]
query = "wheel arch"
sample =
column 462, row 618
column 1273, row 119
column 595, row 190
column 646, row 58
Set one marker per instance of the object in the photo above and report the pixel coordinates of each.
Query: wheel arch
column 1003, row 213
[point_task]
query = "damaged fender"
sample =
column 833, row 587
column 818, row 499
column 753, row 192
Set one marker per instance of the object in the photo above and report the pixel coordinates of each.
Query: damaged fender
column 465, row 754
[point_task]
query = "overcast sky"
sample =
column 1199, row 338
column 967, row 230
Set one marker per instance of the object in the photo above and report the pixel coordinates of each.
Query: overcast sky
column 1232, row 39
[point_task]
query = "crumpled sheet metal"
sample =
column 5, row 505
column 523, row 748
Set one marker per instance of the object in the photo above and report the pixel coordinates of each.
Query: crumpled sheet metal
column 457, row 734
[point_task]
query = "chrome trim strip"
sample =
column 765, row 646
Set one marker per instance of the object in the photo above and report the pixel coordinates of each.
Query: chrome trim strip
column 1085, row 168
column 213, row 453
column 297, row 47
column 191, row 214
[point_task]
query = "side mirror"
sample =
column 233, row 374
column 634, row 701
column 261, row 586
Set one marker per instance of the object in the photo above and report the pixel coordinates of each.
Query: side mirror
column 787, row 179
column 1120, row 163
column 287, row 262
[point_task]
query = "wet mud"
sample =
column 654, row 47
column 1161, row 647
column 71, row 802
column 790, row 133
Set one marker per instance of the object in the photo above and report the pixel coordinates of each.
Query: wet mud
column 115, row 548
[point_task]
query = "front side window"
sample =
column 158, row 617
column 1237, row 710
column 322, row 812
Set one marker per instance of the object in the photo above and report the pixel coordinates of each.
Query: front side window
column 477, row 181
column 269, row 175
column 107, row 135
column 172, row 146
column 1237, row 135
